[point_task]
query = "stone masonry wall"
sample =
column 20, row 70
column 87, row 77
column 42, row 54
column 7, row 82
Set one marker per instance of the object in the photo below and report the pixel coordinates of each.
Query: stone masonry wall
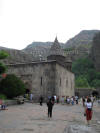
column 45, row 78
column 64, row 82
column 40, row 77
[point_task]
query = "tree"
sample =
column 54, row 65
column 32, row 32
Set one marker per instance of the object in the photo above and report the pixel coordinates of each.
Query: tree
column 3, row 55
column 82, row 66
column 12, row 86
column 81, row 81
column 96, row 83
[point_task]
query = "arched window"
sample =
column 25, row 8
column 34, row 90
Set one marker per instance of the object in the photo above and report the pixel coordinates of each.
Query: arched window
column 66, row 82
column 60, row 81
column 41, row 81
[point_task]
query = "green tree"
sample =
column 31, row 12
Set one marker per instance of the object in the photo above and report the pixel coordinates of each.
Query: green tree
column 81, row 81
column 12, row 86
column 96, row 83
column 82, row 66
column 3, row 55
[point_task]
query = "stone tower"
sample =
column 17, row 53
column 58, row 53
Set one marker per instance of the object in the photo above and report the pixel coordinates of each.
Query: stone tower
column 56, row 53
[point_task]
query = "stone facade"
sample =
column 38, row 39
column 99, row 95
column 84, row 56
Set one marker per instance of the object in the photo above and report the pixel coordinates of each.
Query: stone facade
column 46, row 78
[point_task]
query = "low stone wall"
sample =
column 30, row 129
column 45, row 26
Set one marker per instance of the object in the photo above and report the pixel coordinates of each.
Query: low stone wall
column 83, row 92
column 10, row 102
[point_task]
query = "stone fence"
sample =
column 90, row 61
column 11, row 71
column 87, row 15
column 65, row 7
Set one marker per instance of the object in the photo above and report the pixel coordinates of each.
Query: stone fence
column 83, row 92
column 10, row 102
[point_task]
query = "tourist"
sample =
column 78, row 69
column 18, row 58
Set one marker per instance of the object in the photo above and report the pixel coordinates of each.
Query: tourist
column 50, row 106
column 57, row 99
column 62, row 99
column 53, row 99
column 83, row 101
column 72, row 100
column 2, row 105
column 68, row 100
column 88, row 106
column 41, row 100
column 76, row 99
column 31, row 97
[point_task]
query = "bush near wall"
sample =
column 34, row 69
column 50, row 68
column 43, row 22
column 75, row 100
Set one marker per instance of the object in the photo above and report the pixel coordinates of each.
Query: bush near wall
column 12, row 86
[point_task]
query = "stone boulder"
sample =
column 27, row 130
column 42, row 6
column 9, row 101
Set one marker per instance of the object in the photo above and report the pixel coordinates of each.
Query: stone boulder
column 79, row 129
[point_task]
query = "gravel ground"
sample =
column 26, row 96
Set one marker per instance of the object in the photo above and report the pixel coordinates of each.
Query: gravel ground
column 29, row 118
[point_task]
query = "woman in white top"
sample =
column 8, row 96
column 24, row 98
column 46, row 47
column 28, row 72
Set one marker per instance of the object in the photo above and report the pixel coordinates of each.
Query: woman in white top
column 88, row 110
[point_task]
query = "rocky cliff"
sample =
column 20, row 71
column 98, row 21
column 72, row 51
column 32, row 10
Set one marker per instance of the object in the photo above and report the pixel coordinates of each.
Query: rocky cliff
column 95, row 51
column 84, row 39
column 16, row 56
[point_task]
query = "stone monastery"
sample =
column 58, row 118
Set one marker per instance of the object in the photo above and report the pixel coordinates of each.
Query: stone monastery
column 50, row 77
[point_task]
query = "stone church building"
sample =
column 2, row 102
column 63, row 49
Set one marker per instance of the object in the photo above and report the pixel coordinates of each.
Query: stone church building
column 50, row 77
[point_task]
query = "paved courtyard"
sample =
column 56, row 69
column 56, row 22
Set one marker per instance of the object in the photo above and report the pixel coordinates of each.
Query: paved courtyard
column 29, row 118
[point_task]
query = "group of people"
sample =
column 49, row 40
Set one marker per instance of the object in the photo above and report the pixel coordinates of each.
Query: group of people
column 69, row 100
column 87, row 104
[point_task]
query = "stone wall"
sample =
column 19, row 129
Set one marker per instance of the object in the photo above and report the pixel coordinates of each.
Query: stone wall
column 64, row 81
column 83, row 92
column 39, row 77
column 10, row 102
column 45, row 78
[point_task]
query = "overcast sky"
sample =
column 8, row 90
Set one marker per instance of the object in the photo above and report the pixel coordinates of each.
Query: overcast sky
column 25, row 21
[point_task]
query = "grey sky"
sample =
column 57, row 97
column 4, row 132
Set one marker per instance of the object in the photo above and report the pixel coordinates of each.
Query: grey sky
column 25, row 21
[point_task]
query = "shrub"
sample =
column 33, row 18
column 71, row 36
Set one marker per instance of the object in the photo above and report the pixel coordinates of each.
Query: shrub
column 2, row 96
column 12, row 86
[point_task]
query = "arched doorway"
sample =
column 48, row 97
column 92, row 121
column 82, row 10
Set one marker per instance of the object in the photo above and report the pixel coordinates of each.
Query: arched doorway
column 28, row 87
column 95, row 93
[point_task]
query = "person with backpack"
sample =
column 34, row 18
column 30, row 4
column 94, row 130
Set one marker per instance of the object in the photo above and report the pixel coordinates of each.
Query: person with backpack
column 50, row 107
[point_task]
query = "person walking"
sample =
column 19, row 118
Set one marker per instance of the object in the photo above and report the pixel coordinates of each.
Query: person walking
column 41, row 100
column 83, row 101
column 88, row 106
column 31, row 97
column 50, row 107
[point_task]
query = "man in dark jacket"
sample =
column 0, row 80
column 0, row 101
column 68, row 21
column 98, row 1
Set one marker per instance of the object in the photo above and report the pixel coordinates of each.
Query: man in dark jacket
column 50, row 106
column 41, row 100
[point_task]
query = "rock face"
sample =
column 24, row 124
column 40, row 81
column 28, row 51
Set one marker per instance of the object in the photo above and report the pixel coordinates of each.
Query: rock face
column 39, row 49
column 81, row 44
column 84, row 38
column 95, row 52
column 16, row 56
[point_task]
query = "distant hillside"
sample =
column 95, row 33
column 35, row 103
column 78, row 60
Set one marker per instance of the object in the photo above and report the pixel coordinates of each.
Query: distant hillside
column 76, row 47
column 16, row 56
column 39, row 49
column 39, row 44
column 83, row 39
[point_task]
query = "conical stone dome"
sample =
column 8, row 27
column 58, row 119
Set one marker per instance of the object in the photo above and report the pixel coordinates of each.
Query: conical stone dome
column 56, row 48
